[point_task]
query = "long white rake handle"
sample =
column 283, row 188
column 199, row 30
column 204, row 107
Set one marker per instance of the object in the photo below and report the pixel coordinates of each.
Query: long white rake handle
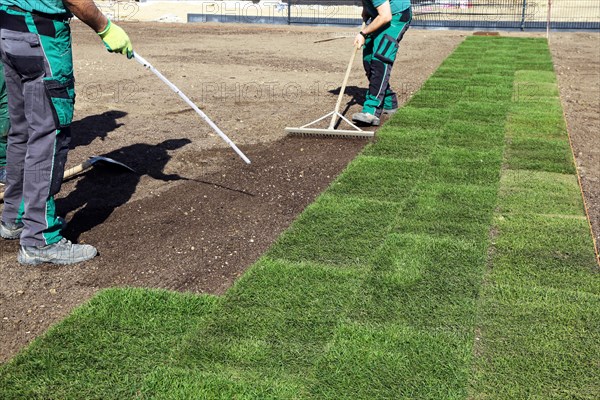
column 223, row 136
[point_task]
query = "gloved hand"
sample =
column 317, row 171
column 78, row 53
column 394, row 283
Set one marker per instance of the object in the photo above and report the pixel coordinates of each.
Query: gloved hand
column 116, row 40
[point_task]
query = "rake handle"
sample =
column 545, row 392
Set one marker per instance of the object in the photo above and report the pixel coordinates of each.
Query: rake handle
column 336, row 111
column 77, row 169
column 70, row 172
column 201, row 113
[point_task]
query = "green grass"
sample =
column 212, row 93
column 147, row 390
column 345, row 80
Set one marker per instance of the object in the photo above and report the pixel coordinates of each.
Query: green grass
column 336, row 230
column 385, row 362
column 546, row 251
column 545, row 124
column 379, row 178
column 419, row 118
column 533, row 77
column 530, row 192
column 538, row 318
column 464, row 166
column 549, row 155
column 472, row 135
column 453, row 72
column 538, row 344
column 450, row 260
column 405, row 143
column 278, row 317
column 489, row 112
column 105, row 348
column 427, row 282
column 463, row 211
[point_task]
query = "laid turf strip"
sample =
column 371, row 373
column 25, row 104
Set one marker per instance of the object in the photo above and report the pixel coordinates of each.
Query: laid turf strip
column 539, row 314
column 450, row 260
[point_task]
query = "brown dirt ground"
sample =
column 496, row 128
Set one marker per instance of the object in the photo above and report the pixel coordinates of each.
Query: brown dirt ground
column 577, row 64
column 195, row 217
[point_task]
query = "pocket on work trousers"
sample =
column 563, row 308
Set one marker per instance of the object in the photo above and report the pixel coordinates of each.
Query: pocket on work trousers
column 387, row 49
column 61, row 92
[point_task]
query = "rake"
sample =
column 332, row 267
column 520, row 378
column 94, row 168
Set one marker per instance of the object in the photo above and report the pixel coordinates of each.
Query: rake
column 335, row 115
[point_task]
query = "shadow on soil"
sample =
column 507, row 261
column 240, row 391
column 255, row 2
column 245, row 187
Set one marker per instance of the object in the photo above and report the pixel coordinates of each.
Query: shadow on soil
column 358, row 97
column 357, row 93
column 102, row 190
column 95, row 126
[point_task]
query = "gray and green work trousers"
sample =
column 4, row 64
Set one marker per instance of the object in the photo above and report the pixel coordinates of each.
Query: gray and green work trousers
column 379, row 54
column 38, row 67
column 4, row 118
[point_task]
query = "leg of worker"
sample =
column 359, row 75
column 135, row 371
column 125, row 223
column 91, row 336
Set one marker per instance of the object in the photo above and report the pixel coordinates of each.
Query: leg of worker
column 17, row 149
column 44, row 165
column 50, row 117
column 4, row 125
column 48, row 133
column 386, row 47
column 381, row 68
column 390, row 101
column 368, row 56
column 368, row 50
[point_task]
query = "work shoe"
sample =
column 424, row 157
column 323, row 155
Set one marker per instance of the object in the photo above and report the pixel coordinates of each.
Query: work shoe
column 12, row 231
column 2, row 176
column 366, row 118
column 63, row 252
column 390, row 111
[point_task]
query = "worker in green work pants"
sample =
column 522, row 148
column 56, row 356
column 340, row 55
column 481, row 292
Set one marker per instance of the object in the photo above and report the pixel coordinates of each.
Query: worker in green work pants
column 388, row 21
column 36, row 51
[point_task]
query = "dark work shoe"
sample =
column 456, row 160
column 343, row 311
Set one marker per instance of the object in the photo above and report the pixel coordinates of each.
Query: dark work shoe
column 366, row 118
column 63, row 252
column 11, row 231
column 391, row 111
column 2, row 175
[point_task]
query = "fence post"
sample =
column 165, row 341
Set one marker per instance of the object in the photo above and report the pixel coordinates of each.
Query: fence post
column 523, row 15
column 548, row 19
column 289, row 12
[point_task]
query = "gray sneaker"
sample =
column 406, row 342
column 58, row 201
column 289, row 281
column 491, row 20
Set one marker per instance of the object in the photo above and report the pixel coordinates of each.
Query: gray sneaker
column 391, row 111
column 12, row 231
column 63, row 252
column 366, row 118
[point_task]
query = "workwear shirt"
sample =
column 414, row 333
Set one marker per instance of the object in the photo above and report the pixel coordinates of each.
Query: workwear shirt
column 397, row 6
column 41, row 6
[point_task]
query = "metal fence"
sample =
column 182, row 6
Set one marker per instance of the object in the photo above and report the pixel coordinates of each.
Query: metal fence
column 465, row 14
column 507, row 14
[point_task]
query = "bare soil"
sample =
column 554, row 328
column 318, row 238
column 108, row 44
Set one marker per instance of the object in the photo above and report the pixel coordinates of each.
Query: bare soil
column 577, row 64
column 194, row 217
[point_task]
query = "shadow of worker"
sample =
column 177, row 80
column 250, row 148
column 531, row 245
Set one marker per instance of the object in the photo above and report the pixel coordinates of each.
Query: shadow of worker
column 101, row 190
column 357, row 96
column 87, row 129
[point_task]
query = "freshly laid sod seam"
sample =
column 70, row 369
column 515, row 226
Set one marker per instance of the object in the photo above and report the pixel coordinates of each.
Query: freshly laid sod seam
column 386, row 287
